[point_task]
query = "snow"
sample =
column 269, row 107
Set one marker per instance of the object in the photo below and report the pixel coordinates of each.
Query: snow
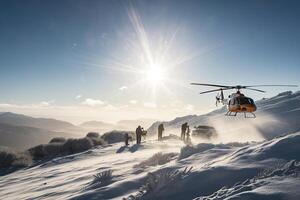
column 248, row 161
column 212, row 167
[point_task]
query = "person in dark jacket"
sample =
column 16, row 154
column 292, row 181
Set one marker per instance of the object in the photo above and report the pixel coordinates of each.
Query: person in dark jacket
column 138, row 132
column 160, row 131
column 183, row 130
column 126, row 136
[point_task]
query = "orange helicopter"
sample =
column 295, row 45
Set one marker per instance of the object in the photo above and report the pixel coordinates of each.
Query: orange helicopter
column 238, row 102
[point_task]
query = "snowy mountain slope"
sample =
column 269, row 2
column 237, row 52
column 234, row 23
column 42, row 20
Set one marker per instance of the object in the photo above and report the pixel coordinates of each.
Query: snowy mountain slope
column 253, row 170
column 275, row 116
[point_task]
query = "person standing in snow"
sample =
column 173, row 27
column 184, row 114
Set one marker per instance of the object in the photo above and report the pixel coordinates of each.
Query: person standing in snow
column 138, row 132
column 183, row 130
column 126, row 136
column 160, row 131
column 188, row 138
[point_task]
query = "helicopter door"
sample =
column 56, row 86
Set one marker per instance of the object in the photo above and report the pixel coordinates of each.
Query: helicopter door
column 233, row 104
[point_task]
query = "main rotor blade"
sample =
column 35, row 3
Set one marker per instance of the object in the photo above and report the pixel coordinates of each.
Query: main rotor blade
column 212, row 85
column 255, row 90
column 214, row 90
column 271, row 86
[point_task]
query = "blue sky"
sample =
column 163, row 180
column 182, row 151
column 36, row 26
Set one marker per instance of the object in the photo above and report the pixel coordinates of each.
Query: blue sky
column 90, row 59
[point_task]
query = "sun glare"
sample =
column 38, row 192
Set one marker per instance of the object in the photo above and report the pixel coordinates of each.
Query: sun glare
column 149, row 60
column 155, row 74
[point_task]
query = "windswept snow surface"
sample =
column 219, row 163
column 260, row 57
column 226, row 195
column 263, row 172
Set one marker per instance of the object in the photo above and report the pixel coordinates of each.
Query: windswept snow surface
column 261, row 170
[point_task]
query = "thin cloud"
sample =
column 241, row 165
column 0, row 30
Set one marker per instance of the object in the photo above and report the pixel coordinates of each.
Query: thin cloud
column 78, row 96
column 92, row 102
column 45, row 103
column 133, row 101
column 110, row 107
column 123, row 88
column 7, row 105
column 189, row 107
column 150, row 105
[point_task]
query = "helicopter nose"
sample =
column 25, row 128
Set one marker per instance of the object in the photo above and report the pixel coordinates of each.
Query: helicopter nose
column 254, row 108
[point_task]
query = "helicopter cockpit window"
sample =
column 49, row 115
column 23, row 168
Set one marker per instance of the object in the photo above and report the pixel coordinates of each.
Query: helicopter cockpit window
column 251, row 101
column 246, row 101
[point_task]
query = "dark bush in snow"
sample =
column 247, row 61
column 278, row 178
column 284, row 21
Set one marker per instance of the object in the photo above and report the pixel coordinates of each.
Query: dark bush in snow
column 11, row 158
column 37, row 152
column 77, row 145
column 71, row 146
column 58, row 140
column 50, row 150
column 92, row 134
column 97, row 141
column 116, row 136
column 157, row 159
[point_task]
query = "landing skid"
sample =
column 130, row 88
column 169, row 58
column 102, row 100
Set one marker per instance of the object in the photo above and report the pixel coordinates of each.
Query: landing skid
column 234, row 114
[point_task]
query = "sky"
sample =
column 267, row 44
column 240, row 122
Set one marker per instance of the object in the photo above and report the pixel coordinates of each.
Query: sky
column 112, row 60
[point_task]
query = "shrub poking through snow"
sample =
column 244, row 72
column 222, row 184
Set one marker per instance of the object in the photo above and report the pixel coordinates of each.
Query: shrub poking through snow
column 95, row 138
column 58, row 140
column 50, row 150
column 97, row 141
column 92, row 135
column 158, row 181
column 71, row 146
column 101, row 179
column 11, row 158
column 77, row 145
column 116, row 136
column 157, row 159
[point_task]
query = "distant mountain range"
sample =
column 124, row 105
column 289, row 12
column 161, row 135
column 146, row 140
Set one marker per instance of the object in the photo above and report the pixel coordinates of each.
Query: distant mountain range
column 128, row 125
column 21, row 131
column 24, row 137
column 43, row 123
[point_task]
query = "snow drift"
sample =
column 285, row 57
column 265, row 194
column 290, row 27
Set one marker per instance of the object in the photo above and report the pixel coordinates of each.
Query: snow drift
column 260, row 170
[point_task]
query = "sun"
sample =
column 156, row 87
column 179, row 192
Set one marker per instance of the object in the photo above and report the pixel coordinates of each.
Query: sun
column 155, row 74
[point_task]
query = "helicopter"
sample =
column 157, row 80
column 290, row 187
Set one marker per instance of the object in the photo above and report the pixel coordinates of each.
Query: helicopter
column 238, row 102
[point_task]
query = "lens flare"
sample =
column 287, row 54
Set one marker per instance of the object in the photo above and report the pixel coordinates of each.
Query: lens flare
column 155, row 74
column 149, row 60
